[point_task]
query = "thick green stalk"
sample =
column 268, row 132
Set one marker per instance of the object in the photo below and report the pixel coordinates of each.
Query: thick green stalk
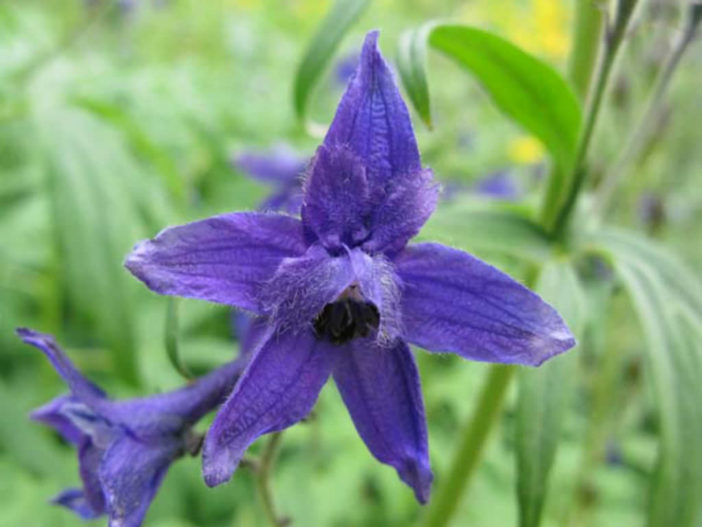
column 586, row 39
column 610, row 47
column 473, row 438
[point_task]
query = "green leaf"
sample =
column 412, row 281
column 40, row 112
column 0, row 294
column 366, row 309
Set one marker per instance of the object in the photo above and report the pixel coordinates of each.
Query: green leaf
column 670, row 320
column 333, row 28
column 479, row 227
column 93, row 185
column 412, row 65
column 676, row 275
column 543, row 395
column 140, row 142
column 528, row 90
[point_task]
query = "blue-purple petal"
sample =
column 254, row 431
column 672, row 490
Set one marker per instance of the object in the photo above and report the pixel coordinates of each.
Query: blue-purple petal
column 89, row 458
column 279, row 165
column 131, row 473
column 222, row 259
column 453, row 302
column 51, row 414
column 381, row 389
column 373, row 120
column 278, row 389
column 368, row 176
column 404, row 209
column 500, row 185
column 75, row 500
column 79, row 385
column 337, row 198
column 375, row 277
column 302, row 287
column 172, row 412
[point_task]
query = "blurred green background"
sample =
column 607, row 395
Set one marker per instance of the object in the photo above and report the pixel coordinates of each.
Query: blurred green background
column 119, row 118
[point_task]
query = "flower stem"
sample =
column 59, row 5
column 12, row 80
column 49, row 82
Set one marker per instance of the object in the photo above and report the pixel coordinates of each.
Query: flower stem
column 610, row 45
column 474, row 436
column 643, row 130
column 265, row 466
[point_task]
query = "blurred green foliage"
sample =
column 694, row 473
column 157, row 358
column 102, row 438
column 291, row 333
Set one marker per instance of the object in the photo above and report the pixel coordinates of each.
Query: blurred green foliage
column 116, row 121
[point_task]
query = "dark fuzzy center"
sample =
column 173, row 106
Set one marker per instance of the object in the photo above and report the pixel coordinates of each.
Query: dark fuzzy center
column 346, row 319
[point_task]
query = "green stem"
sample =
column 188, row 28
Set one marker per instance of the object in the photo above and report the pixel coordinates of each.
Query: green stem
column 586, row 39
column 587, row 33
column 474, row 436
column 643, row 130
column 610, row 47
column 171, row 338
column 265, row 465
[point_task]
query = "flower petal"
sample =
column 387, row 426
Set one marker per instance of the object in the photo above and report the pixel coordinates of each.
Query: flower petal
column 89, row 458
column 172, row 412
column 406, row 205
column 51, row 414
column 454, row 302
column 376, row 278
column 279, row 165
column 302, row 287
column 373, row 124
column 337, row 201
column 75, row 500
column 278, row 389
column 79, row 385
column 381, row 389
column 223, row 259
column 131, row 473
column 372, row 119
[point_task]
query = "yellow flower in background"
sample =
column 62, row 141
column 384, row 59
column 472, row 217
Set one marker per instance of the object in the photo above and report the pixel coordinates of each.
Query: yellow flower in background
column 541, row 27
column 525, row 150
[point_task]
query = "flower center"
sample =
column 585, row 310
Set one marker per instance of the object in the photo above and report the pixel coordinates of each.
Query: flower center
column 346, row 319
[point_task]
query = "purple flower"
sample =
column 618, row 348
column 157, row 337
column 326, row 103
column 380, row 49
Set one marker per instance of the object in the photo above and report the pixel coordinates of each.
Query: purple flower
column 346, row 67
column 340, row 293
column 281, row 168
column 124, row 447
column 499, row 185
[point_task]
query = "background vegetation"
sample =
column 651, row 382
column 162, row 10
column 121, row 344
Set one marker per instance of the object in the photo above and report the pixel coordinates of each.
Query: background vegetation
column 119, row 118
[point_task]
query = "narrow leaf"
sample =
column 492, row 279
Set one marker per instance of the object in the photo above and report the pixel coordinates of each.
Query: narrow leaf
column 412, row 65
column 526, row 89
column 322, row 47
column 92, row 183
column 674, row 365
column 544, row 394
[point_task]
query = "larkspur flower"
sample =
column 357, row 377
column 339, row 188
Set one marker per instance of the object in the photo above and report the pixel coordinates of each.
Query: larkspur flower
column 340, row 293
column 500, row 185
column 124, row 447
column 281, row 168
column 345, row 68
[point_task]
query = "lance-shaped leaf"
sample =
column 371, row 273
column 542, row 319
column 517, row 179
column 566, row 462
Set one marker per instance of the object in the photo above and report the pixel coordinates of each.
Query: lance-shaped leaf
column 669, row 321
column 543, row 395
column 528, row 90
column 340, row 18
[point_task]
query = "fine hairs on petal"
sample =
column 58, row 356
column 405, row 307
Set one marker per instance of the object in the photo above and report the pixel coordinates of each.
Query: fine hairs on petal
column 303, row 286
column 380, row 285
